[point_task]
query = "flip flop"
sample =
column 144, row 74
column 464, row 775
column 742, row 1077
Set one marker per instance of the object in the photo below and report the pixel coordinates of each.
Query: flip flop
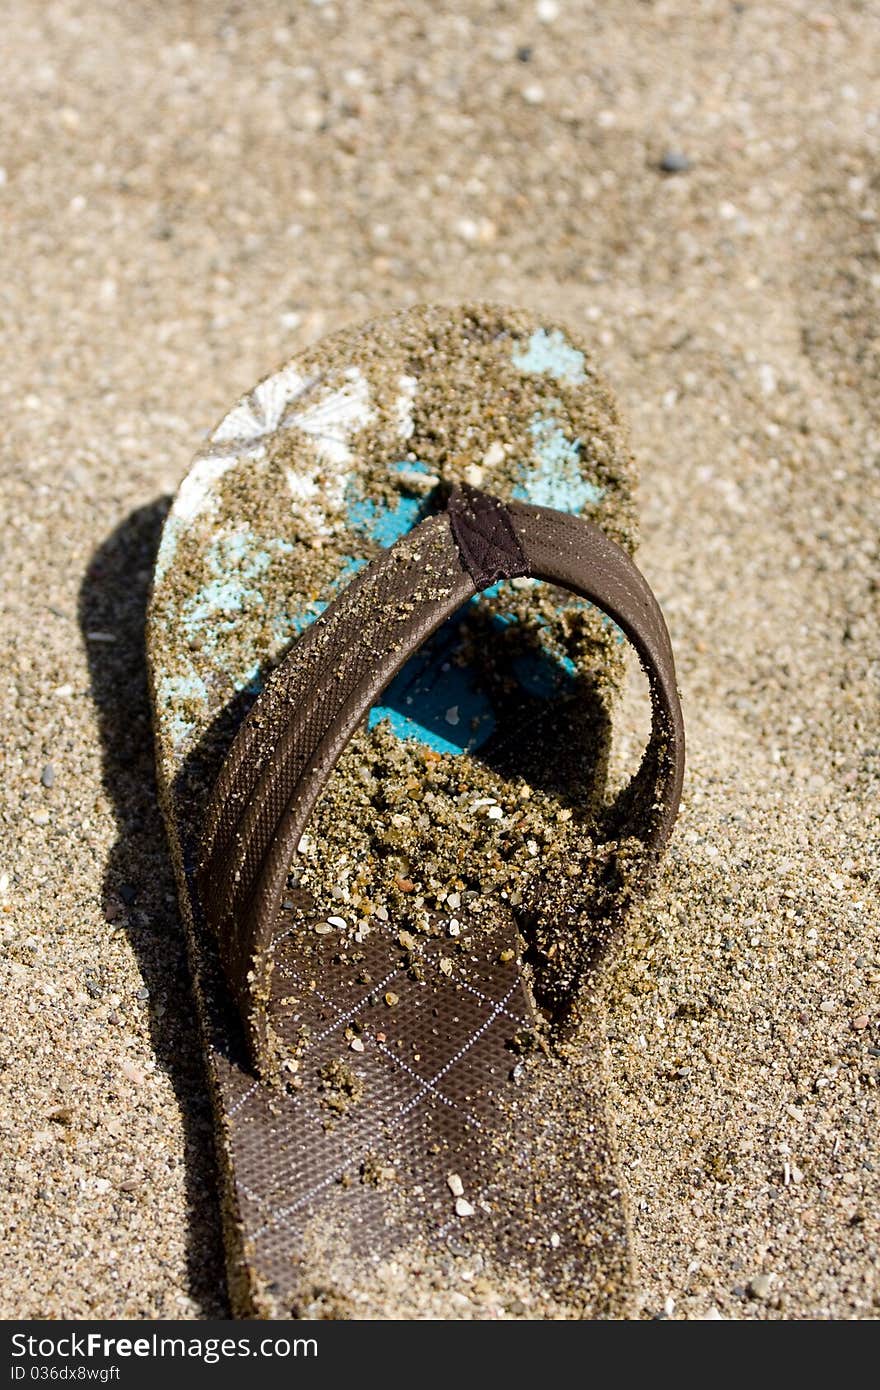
column 385, row 637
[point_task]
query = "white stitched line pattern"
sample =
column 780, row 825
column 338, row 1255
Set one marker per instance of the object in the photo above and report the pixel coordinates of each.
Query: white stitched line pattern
column 343, row 1018
column 234, row 1109
column 453, row 1061
column 514, row 1018
column 284, row 1213
column 428, row 1086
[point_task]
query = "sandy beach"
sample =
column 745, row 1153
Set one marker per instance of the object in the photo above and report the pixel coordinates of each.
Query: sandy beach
column 189, row 195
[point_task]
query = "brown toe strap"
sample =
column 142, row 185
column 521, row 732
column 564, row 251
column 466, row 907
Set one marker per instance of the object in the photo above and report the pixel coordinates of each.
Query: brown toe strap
column 316, row 699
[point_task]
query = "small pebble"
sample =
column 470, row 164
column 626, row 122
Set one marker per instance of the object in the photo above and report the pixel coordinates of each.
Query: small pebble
column 47, row 776
column 759, row 1286
column 456, row 1186
column 391, row 998
column 463, row 1207
column 356, row 1045
column 674, row 162
column 323, row 928
column 860, row 1021
column 338, row 922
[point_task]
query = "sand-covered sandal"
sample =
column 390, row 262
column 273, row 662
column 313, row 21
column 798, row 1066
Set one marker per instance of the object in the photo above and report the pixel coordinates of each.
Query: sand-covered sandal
column 399, row 870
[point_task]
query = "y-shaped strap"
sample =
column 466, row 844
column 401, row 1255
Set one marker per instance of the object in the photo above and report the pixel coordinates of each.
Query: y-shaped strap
column 316, row 699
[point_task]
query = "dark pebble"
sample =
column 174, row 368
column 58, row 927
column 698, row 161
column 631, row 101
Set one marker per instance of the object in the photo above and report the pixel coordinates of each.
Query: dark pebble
column 127, row 893
column 47, row 776
column 524, row 54
column 674, row 162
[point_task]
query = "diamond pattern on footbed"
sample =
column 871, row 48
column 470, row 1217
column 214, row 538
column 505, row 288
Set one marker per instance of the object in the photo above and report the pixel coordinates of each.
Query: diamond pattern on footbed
column 420, row 1101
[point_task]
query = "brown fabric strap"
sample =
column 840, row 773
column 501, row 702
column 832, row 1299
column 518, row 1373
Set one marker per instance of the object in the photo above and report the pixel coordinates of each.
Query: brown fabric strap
column 316, row 699
column 485, row 535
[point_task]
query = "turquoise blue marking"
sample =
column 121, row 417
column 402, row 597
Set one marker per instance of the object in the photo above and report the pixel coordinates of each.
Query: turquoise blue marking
column 383, row 524
column 555, row 479
column 187, row 686
column 174, row 690
column 435, row 702
column 243, row 552
column 218, row 596
column 544, row 674
column 617, row 633
column 379, row 524
column 286, row 626
column 350, row 566
column 235, row 561
column 410, row 466
column 550, row 355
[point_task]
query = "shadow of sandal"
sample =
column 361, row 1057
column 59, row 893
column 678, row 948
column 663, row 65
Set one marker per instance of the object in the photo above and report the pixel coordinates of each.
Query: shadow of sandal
column 138, row 887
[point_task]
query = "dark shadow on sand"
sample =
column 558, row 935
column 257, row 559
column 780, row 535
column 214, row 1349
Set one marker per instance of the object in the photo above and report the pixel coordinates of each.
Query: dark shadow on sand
column 139, row 893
